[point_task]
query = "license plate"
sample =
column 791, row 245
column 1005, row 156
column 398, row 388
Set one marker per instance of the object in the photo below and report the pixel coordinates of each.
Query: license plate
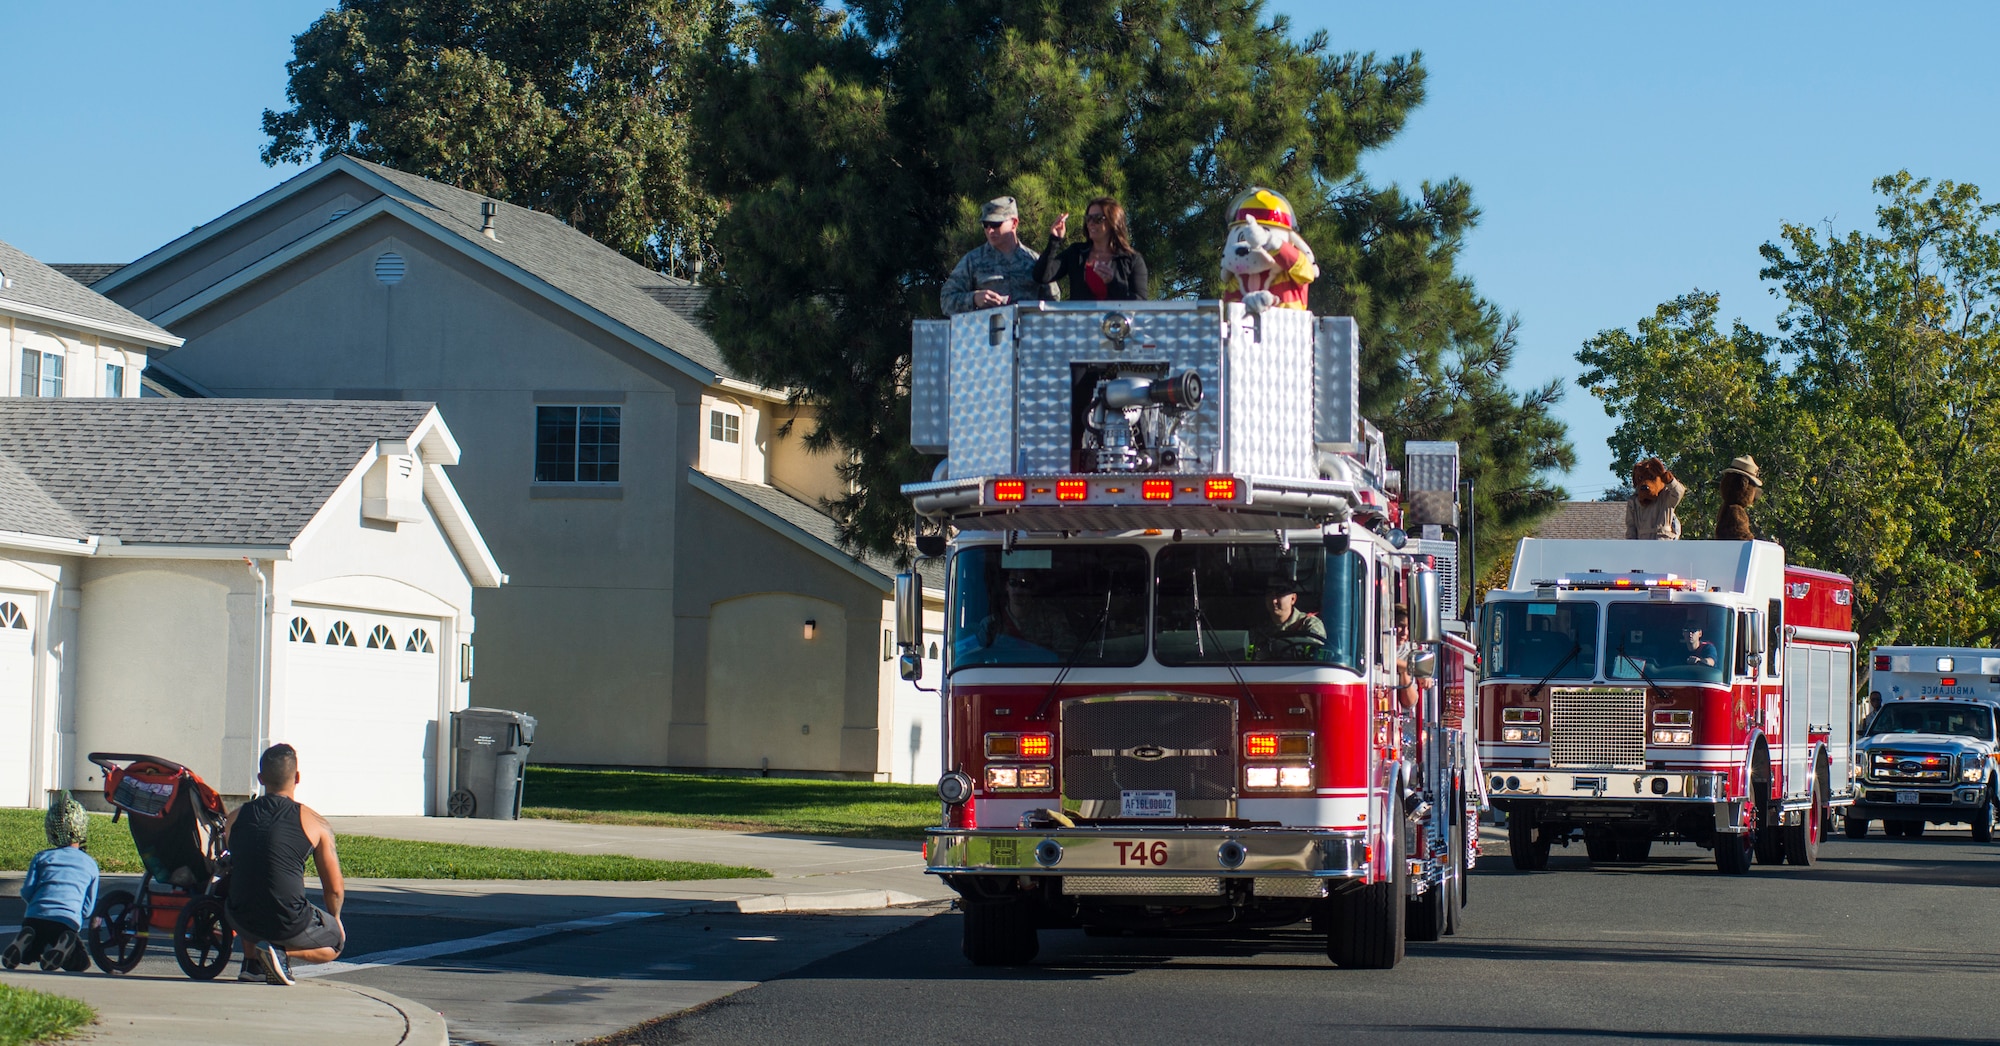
column 1906, row 798
column 1146, row 804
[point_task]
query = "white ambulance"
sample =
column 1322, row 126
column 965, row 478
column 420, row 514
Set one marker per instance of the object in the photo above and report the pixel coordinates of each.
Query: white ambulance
column 1927, row 754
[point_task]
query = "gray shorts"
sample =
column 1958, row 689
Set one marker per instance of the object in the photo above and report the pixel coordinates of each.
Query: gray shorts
column 324, row 932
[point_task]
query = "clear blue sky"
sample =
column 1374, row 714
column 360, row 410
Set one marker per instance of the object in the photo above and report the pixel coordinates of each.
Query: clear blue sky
column 1621, row 153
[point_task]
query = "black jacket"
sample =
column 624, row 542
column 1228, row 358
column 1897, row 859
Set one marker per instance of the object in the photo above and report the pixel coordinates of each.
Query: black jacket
column 1127, row 282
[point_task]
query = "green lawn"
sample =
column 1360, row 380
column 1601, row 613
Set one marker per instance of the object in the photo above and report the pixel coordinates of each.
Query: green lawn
column 859, row 809
column 27, row 1016
column 371, row 857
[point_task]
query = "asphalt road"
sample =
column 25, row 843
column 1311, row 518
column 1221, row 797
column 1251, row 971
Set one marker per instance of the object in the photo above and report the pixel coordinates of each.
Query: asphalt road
column 1882, row 943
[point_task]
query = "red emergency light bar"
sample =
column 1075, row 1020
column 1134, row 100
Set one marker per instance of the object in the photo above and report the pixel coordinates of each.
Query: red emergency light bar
column 1219, row 489
column 1010, row 490
column 1597, row 580
column 1881, row 662
column 1082, row 489
column 1072, row 489
column 1157, row 490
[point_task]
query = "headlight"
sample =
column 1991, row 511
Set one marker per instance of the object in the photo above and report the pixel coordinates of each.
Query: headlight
column 1972, row 767
column 1267, row 777
column 1019, row 778
column 1673, row 735
column 1521, row 735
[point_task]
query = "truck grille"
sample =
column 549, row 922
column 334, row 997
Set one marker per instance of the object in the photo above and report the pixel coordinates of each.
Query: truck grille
column 1892, row 767
column 1597, row 726
column 1186, row 745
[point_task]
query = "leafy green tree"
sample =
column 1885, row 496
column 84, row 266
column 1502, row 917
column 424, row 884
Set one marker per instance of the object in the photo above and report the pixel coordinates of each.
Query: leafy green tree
column 1873, row 414
column 856, row 141
column 578, row 108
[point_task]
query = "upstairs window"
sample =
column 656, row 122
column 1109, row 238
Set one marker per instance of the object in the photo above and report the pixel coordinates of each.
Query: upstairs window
column 114, row 380
column 576, row 444
column 41, row 373
column 724, row 427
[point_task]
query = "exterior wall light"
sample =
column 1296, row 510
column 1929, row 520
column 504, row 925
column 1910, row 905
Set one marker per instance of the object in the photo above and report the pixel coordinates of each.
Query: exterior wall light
column 811, row 626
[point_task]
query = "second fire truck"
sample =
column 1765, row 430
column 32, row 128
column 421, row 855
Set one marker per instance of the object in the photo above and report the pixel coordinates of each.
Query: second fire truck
column 1172, row 697
column 1691, row 691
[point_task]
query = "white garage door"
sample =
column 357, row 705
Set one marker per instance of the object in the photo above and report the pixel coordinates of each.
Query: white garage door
column 362, row 709
column 17, row 691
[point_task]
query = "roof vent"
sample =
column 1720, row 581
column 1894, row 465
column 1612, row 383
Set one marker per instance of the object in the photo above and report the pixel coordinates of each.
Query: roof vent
column 488, row 210
column 389, row 268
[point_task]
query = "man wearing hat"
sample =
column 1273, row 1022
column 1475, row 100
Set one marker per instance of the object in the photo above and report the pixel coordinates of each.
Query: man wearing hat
column 1739, row 487
column 1288, row 634
column 999, row 271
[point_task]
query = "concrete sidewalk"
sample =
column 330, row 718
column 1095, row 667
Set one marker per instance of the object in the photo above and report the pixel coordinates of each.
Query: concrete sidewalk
column 808, row 873
column 157, row 1010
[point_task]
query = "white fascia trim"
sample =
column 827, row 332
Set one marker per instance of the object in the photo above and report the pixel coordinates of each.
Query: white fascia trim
column 749, row 388
column 458, row 526
column 419, row 222
column 228, row 220
column 15, row 539
column 783, row 526
column 113, row 548
column 434, row 441
column 157, row 339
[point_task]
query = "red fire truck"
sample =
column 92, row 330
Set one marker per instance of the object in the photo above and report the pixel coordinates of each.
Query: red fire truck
column 1690, row 691
column 1175, row 560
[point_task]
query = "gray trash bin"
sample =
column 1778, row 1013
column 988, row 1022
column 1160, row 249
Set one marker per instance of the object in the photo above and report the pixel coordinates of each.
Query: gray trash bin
column 492, row 748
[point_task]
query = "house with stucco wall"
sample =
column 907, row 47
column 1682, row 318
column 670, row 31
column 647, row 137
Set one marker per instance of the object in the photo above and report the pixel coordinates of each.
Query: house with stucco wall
column 64, row 340
column 197, row 579
column 677, row 597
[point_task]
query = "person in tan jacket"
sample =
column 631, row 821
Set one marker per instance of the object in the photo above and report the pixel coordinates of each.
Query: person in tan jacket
column 1649, row 516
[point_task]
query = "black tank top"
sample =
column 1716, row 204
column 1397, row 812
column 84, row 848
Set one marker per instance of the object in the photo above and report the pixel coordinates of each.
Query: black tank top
column 267, row 859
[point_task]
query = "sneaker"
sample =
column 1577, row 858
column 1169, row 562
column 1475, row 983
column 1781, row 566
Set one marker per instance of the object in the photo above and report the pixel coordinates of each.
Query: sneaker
column 252, row 970
column 52, row 958
column 10, row 957
column 277, row 965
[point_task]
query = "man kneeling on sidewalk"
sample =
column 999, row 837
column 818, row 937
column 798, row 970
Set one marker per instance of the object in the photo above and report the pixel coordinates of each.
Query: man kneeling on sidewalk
column 269, row 838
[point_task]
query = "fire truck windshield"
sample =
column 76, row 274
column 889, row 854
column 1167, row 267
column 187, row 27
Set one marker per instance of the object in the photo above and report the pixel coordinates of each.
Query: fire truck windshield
column 1919, row 717
column 1533, row 640
column 1256, row 603
column 1049, row 606
column 1678, row 641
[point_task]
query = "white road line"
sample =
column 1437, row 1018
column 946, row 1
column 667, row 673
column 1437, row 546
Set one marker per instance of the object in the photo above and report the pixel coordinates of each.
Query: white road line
column 398, row 956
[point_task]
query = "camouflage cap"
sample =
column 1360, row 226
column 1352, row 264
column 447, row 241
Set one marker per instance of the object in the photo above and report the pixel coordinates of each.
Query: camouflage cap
column 66, row 822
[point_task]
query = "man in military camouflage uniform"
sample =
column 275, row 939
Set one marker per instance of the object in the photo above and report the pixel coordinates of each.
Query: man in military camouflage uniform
column 999, row 271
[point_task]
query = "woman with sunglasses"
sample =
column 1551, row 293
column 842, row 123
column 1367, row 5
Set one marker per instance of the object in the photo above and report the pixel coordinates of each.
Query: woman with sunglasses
column 1102, row 268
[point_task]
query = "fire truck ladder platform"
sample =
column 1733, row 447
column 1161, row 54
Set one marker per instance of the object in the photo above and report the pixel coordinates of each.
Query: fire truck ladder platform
column 1101, row 501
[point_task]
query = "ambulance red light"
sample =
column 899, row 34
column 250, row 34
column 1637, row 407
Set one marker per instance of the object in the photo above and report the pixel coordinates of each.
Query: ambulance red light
column 1037, row 746
column 1220, row 488
column 1072, row 489
column 1157, row 490
column 1881, row 662
column 1010, row 490
column 1947, row 681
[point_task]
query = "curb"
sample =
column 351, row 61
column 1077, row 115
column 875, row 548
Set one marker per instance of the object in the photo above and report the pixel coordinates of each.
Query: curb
column 422, row 1026
column 793, row 903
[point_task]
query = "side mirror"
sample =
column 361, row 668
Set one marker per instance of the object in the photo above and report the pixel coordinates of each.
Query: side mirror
column 1336, row 542
column 909, row 611
column 1425, row 607
column 911, row 665
column 1424, row 664
column 930, row 546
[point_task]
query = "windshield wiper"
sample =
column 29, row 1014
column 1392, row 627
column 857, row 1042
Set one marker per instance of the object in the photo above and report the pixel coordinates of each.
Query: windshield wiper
column 1575, row 645
column 1076, row 654
column 1638, row 664
column 1200, row 626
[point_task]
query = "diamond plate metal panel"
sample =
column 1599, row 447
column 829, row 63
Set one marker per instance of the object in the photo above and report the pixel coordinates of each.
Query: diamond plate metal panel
column 930, row 386
column 1052, row 342
column 1267, row 394
column 1430, row 478
column 1336, row 392
column 1446, row 554
column 982, row 386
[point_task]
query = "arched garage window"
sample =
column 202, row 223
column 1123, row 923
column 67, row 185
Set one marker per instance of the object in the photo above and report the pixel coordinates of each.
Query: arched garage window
column 418, row 643
column 339, row 635
column 302, row 631
column 380, row 639
column 11, row 616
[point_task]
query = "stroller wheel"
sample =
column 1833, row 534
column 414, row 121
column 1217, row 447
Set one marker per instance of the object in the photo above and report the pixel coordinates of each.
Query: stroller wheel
column 462, row 804
column 118, row 943
column 202, row 938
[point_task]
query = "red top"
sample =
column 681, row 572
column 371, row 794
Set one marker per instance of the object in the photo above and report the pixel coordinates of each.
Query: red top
column 1098, row 288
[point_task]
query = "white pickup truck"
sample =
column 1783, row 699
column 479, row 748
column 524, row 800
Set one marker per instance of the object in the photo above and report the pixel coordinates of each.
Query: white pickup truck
column 1926, row 760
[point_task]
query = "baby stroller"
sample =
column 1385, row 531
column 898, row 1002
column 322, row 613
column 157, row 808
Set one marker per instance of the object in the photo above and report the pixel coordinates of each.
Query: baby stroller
column 178, row 827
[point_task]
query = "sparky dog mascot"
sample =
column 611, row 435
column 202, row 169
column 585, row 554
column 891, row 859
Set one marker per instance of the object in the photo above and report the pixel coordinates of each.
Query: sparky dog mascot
column 1265, row 262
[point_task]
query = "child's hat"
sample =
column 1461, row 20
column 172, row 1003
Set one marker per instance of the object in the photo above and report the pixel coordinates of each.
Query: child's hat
column 66, row 823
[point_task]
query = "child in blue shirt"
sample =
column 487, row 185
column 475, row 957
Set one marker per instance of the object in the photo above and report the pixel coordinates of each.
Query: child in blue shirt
column 61, row 892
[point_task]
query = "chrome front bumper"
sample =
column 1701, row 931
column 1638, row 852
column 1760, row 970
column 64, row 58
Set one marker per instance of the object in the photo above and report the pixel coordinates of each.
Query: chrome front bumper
column 1878, row 801
column 1124, row 851
column 1626, row 788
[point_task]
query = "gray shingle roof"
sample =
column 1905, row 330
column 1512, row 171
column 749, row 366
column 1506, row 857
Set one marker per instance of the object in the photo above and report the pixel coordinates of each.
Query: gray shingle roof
column 36, row 284
column 196, row 472
column 572, row 262
column 1585, row 520
column 24, row 509
column 86, row 273
column 819, row 525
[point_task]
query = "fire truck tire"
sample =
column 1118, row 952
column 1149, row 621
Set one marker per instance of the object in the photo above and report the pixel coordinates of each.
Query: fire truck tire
column 1368, row 933
column 1428, row 918
column 1802, row 839
column 1770, row 836
column 1526, row 843
column 1857, row 827
column 1634, row 849
column 1600, row 845
column 1000, row 934
column 1734, row 853
column 1982, row 821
